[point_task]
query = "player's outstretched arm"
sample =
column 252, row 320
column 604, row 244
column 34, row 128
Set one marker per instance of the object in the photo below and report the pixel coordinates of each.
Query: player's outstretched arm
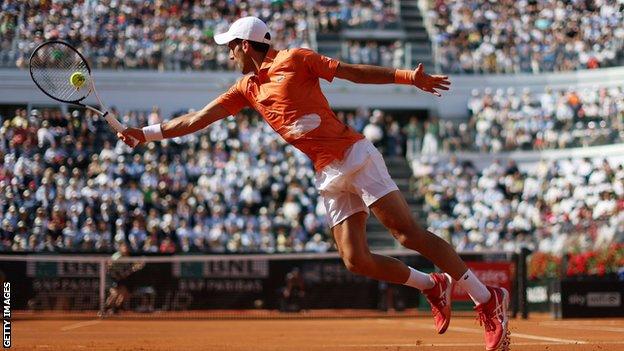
column 367, row 74
column 179, row 126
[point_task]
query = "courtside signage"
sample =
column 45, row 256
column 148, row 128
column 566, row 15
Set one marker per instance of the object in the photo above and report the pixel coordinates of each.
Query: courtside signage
column 591, row 298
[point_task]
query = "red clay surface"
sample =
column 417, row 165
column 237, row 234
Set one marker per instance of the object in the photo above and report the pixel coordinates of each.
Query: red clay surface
column 300, row 334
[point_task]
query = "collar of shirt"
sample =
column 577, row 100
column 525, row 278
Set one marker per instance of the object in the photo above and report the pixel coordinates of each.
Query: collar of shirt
column 267, row 62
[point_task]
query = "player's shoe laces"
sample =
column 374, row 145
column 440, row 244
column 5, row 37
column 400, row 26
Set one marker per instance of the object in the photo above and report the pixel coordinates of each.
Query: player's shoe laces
column 439, row 298
column 493, row 316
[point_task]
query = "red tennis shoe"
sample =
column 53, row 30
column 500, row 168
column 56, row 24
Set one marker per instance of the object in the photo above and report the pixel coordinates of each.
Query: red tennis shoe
column 493, row 316
column 439, row 298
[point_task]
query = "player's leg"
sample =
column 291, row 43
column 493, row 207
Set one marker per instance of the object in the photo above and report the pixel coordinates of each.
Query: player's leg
column 347, row 214
column 350, row 237
column 393, row 211
column 122, row 296
column 109, row 304
column 112, row 296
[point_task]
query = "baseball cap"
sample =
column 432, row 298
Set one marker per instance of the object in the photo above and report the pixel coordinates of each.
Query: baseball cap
column 248, row 28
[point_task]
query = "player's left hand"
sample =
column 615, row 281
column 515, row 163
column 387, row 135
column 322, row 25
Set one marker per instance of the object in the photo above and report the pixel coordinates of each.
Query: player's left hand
column 430, row 84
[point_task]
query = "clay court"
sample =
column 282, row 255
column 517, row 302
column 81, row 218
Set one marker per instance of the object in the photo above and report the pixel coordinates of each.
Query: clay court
column 292, row 333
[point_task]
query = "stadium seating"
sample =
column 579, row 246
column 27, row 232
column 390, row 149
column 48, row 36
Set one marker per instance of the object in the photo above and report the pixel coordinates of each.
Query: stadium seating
column 234, row 188
column 556, row 206
column 164, row 35
column 478, row 36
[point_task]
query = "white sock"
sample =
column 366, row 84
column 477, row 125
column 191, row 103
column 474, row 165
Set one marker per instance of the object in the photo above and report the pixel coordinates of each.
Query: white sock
column 419, row 280
column 477, row 291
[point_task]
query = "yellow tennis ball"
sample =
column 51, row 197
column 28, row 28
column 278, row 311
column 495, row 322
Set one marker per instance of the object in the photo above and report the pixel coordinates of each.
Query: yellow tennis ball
column 77, row 79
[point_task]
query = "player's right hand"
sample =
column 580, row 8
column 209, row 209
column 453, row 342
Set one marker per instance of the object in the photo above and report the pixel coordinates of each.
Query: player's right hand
column 133, row 137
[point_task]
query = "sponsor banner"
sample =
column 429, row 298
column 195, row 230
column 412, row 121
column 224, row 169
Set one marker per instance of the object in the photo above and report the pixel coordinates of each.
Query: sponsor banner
column 544, row 296
column 592, row 298
column 498, row 273
column 225, row 284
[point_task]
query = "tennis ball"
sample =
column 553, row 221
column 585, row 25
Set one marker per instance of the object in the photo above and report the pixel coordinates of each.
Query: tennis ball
column 77, row 79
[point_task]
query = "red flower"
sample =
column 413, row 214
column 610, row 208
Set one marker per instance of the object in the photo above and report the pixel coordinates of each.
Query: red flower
column 601, row 262
column 543, row 265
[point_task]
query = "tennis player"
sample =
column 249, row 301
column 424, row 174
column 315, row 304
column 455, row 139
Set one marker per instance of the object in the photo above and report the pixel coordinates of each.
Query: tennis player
column 351, row 176
column 120, row 273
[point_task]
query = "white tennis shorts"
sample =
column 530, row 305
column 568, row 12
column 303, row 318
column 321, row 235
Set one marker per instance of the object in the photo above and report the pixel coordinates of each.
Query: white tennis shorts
column 354, row 183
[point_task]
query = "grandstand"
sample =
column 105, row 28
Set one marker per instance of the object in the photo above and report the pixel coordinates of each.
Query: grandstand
column 524, row 154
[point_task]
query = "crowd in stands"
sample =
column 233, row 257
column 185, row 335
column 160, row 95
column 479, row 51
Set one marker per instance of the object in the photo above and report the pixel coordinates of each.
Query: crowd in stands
column 331, row 16
column 471, row 36
column 555, row 119
column 173, row 35
column 508, row 36
column 555, row 206
column 507, row 120
column 69, row 185
column 126, row 34
column 375, row 53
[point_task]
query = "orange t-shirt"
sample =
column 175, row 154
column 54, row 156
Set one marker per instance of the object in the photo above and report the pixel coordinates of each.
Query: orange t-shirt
column 287, row 93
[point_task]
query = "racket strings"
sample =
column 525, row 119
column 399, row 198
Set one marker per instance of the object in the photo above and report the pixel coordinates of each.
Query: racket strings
column 52, row 66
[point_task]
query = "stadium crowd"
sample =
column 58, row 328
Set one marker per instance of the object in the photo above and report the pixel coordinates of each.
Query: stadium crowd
column 174, row 35
column 507, row 120
column 69, row 185
column 375, row 53
column 471, row 36
column 331, row 16
column 556, row 206
column 479, row 36
column 126, row 34
column 237, row 188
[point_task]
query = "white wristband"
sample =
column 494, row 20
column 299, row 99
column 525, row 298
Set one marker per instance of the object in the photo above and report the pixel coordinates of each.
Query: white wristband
column 153, row 132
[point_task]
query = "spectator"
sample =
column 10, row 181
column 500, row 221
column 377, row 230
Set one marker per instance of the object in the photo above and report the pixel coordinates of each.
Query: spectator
column 414, row 134
column 432, row 134
column 373, row 130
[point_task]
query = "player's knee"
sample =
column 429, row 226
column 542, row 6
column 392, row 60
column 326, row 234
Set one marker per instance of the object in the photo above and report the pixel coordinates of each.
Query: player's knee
column 358, row 263
column 408, row 236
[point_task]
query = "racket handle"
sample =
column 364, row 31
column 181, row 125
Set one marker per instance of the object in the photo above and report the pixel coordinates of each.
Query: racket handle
column 117, row 126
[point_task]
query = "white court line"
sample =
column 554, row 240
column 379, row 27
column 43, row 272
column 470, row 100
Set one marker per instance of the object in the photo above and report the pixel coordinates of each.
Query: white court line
column 457, row 344
column 513, row 334
column 589, row 327
column 594, row 322
column 81, row 324
column 546, row 338
column 525, row 336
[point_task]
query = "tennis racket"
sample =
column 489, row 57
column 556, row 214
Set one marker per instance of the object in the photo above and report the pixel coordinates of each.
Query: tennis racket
column 63, row 74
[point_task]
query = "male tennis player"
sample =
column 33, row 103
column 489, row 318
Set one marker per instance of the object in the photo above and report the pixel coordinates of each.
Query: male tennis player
column 283, row 86
column 119, row 273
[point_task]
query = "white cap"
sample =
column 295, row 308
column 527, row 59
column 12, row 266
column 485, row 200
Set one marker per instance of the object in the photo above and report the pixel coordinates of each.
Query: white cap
column 248, row 28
